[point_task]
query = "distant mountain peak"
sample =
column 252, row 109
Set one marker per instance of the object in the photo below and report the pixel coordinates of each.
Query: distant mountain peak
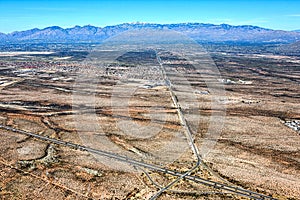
column 138, row 22
column 54, row 28
column 195, row 30
column 90, row 26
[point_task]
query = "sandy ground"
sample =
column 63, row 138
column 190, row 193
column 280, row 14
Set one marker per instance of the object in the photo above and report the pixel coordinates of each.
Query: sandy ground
column 254, row 148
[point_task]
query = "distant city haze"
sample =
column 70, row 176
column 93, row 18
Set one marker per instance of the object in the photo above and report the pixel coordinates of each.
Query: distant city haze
column 17, row 15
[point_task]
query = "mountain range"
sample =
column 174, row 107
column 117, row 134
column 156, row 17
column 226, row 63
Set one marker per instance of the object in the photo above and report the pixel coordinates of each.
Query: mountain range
column 197, row 31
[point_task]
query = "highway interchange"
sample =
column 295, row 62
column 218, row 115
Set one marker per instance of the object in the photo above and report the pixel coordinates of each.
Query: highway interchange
column 220, row 187
column 213, row 184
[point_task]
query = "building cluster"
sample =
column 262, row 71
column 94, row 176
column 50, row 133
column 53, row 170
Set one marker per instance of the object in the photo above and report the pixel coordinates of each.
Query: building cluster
column 293, row 124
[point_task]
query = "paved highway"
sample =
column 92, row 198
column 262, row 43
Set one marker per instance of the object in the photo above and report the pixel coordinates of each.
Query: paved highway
column 213, row 184
column 184, row 124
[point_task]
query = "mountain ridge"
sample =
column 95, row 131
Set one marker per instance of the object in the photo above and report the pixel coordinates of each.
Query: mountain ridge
column 197, row 31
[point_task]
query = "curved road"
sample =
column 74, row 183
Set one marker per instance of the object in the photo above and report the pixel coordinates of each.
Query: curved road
column 217, row 185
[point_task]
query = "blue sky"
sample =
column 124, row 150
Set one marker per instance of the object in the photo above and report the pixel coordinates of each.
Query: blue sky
column 23, row 15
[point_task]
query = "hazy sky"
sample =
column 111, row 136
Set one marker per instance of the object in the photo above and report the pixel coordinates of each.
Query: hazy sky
column 22, row 15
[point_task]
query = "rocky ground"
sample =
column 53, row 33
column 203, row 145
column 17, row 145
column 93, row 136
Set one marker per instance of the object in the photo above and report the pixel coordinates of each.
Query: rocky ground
column 256, row 147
